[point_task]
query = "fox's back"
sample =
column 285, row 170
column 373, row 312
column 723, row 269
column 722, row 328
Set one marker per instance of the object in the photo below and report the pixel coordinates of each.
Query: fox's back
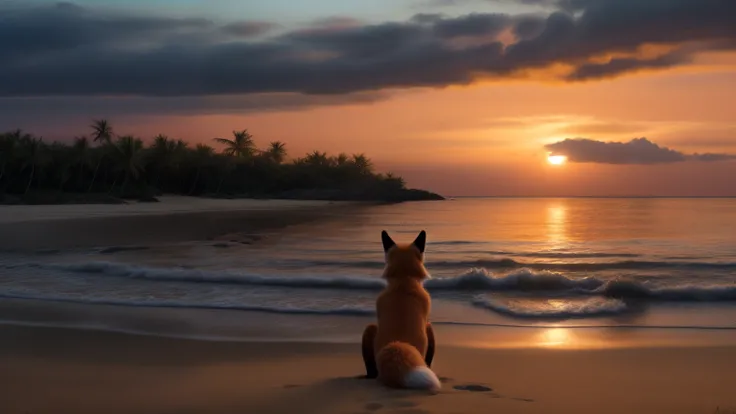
column 403, row 314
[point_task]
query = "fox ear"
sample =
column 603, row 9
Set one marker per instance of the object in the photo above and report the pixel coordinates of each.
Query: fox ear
column 421, row 241
column 387, row 241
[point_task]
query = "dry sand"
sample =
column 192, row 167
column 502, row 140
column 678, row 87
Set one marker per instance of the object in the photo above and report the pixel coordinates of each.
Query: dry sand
column 173, row 219
column 47, row 370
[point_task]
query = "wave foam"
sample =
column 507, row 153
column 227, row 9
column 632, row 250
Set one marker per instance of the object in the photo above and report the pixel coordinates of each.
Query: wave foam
column 629, row 289
column 523, row 279
column 475, row 279
column 509, row 263
column 558, row 310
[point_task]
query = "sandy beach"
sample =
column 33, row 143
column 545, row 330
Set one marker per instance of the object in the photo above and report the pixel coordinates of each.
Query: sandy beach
column 73, row 371
column 174, row 218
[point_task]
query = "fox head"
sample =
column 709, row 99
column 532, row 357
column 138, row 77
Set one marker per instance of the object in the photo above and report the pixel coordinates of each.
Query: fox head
column 405, row 261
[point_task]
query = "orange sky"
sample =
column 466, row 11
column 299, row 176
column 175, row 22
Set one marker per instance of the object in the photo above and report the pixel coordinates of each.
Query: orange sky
column 488, row 138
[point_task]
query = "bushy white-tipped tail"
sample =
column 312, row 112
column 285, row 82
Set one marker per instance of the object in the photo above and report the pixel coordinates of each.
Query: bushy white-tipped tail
column 422, row 378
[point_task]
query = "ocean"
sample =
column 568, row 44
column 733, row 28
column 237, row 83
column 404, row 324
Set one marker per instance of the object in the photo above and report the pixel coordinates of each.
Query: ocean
column 639, row 263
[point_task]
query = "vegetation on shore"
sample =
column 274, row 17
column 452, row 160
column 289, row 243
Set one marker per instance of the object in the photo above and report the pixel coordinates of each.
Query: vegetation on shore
column 106, row 167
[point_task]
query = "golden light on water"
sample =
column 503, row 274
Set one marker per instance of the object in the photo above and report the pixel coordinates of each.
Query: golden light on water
column 556, row 225
column 556, row 159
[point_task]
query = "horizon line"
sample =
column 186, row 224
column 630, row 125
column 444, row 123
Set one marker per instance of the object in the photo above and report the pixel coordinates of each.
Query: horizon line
column 582, row 196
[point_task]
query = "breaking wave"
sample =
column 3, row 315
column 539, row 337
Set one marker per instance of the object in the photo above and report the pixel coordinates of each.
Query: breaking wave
column 473, row 280
column 508, row 263
column 558, row 310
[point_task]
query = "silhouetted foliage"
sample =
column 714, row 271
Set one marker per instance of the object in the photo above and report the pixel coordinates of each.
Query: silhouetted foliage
column 125, row 167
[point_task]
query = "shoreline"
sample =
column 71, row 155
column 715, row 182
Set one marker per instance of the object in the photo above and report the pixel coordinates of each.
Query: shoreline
column 91, row 372
column 175, row 219
column 80, row 199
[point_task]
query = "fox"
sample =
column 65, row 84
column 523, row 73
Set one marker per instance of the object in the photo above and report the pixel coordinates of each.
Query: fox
column 399, row 349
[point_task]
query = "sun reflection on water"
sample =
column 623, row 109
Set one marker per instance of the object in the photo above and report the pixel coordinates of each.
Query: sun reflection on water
column 557, row 225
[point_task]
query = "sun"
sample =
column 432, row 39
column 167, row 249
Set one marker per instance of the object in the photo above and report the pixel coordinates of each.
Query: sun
column 556, row 159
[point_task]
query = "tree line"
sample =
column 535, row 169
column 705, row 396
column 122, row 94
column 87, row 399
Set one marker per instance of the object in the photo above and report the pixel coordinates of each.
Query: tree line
column 125, row 166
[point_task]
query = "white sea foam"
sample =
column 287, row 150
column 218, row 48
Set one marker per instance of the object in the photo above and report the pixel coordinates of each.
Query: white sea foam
column 475, row 279
column 557, row 309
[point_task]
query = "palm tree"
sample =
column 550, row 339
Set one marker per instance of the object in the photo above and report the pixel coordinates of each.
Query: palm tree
column 394, row 182
column 128, row 158
column 241, row 146
column 161, row 138
column 182, row 170
column 180, row 145
column 34, row 154
column 362, row 163
column 202, row 157
column 179, row 155
column 162, row 152
column 342, row 159
column 276, row 152
column 101, row 133
column 317, row 158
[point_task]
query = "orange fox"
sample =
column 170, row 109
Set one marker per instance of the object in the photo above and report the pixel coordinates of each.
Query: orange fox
column 400, row 348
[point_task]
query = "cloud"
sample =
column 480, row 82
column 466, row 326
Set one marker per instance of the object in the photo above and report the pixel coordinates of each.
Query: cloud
column 65, row 49
column 449, row 3
column 472, row 25
column 248, row 29
column 13, row 109
column 636, row 151
column 618, row 66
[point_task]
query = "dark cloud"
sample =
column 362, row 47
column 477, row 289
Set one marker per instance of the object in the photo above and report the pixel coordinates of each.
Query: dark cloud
column 62, row 117
column 617, row 66
column 636, row 151
column 93, row 106
column 474, row 25
column 65, row 49
column 427, row 18
column 45, row 32
column 528, row 27
column 449, row 3
column 713, row 157
column 331, row 24
column 248, row 29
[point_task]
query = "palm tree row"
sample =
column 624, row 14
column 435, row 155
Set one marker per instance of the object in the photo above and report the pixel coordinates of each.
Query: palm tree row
column 124, row 166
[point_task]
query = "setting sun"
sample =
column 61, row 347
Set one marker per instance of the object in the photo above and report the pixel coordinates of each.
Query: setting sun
column 556, row 159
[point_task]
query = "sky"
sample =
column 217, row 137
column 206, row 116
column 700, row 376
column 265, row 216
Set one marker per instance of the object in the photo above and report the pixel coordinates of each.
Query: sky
column 462, row 97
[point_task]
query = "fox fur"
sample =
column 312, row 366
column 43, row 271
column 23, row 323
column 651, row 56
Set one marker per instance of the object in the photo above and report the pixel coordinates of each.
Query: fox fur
column 398, row 350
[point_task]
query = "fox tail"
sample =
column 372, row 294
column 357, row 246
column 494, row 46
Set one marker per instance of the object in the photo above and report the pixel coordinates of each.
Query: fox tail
column 400, row 365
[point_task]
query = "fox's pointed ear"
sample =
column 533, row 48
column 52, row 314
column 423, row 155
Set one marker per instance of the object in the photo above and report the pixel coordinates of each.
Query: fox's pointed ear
column 421, row 241
column 387, row 241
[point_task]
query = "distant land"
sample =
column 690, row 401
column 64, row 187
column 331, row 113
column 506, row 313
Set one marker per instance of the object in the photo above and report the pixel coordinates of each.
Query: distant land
column 107, row 168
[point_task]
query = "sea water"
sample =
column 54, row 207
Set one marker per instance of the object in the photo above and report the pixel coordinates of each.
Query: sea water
column 643, row 263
